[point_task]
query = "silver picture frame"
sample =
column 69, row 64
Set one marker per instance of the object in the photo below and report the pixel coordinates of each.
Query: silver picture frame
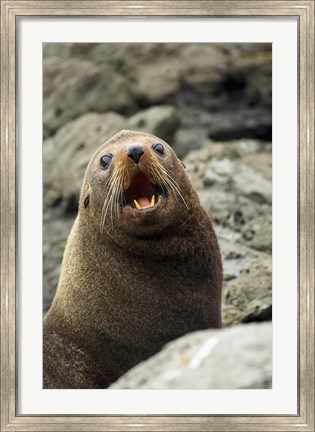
column 11, row 11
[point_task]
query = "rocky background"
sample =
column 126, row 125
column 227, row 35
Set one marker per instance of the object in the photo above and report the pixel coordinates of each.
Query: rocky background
column 212, row 103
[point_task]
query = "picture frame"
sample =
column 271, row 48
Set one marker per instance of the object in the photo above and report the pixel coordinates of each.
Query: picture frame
column 11, row 11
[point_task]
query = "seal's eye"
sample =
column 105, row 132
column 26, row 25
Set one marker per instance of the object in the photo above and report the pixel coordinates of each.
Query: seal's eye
column 106, row 160
column 159, row 149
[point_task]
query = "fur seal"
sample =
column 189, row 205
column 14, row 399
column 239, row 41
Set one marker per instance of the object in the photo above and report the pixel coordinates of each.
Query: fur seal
column 141, row 267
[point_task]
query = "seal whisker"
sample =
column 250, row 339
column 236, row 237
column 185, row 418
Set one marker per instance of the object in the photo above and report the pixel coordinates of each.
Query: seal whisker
column 105, row 206
column 118, row 193
column 108, row 200
column 166, row 183
column 174, row 185
column 176, row 188
column 118, row 197
column 113, row 200
column 163, row 181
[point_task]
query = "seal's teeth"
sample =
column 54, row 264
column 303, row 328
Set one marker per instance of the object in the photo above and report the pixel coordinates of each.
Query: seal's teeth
column 138, row 206
column 152, row 202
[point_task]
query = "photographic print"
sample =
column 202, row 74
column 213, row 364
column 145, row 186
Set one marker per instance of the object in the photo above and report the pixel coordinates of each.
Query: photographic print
column 184, row 177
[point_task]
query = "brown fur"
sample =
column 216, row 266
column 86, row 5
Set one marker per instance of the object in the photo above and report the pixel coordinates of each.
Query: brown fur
column 145, row 280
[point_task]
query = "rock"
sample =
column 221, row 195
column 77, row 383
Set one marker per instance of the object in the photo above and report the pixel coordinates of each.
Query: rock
column 262, row 162
column 66, row 156
column 257, row 233
column 223, row 89
column 233, row 181
column 75, row 86
column 157, row 82
column 247, row 298
column 241, row 167
column 239, row 259
column 187, row 139
column 243, row 123
column 158, row 120
column 218, row 172
column 203, row 66
column 55, row 234
column 234, row 184
column 61, row 50
column 238, row 94
column 252, row 152
column 247, row 288
column 234, row 358
column 252, row 184
column 229, row 209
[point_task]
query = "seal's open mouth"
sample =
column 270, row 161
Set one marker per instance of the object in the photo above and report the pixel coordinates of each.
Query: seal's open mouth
column 142, row 194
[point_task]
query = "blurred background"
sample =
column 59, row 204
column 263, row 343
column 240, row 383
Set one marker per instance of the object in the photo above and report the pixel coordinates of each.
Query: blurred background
column 211, row 103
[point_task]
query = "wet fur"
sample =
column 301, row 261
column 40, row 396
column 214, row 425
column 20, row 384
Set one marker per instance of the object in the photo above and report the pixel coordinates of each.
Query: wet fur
column 123, row 295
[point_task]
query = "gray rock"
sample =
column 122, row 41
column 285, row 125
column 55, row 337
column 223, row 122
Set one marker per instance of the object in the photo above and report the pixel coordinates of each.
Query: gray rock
column 233, row 179
column 224, row 89
column 230, row 209
column 75, row 86
column 55, row 234
column 188, row 139
column 237, row 90
column 260, row 161
column 252, row 184
column 234, row 185
column 218, row 172
column 158, row 120
column 157, row 82
column 203, row 66
column 258, row 233
column 252, row 152
column 61, row 50
column 66, row 156
column 239, row 259
column 247, row 298
column 247, row 288
column 235, row 358
column 240, row 123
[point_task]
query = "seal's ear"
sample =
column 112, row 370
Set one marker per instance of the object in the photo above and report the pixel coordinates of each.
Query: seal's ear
column 87, row 194
column 182, row 163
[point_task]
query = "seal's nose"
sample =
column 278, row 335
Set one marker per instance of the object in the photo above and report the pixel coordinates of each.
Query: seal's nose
column 135, row 151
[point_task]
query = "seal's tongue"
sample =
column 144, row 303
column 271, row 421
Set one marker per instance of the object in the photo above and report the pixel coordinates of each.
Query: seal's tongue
column 144, row 202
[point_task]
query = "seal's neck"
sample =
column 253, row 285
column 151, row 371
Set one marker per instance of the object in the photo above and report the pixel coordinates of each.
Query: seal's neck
column 176, row 240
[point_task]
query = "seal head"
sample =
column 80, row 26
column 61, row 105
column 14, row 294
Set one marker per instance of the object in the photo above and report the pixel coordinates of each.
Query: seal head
column 140, row 195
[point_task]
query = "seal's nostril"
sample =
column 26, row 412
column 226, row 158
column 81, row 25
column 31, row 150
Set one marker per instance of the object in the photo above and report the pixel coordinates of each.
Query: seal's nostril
column 135, row 151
